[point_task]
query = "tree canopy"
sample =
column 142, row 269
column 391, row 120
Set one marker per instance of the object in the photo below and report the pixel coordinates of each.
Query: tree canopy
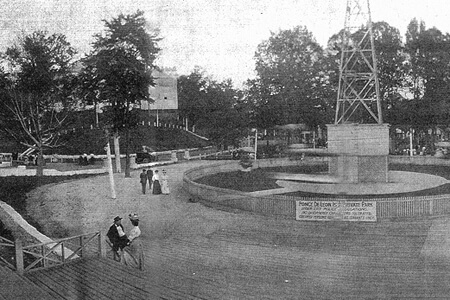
column 291, row 83
column 213, row 107
column 118, row 70
column 37, row 90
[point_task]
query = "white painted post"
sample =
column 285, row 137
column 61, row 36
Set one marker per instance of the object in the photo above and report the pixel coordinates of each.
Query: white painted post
column 117, row 153
column 411, row 132
column 110, row 170
column 256, row 141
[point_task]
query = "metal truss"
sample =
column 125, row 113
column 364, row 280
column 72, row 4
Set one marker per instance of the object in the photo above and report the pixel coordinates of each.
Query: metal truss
column 358, row 97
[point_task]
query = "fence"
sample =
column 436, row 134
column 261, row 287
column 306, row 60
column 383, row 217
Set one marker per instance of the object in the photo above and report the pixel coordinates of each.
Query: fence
column 285, row 206
column 44, row 255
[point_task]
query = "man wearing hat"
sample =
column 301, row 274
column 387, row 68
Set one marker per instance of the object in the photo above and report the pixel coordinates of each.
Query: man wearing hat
column 116, row 235
column 143, row 180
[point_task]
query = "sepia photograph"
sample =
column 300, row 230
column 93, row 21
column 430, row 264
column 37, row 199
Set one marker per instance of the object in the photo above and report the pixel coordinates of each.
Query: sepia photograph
column 211, row 149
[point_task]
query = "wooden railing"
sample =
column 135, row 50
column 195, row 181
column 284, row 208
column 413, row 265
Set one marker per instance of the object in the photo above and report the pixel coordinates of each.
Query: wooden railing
column 9, row 248
column 53, row 253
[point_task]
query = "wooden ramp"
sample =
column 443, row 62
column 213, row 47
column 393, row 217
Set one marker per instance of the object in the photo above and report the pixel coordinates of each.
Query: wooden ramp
column 14, row 286
column 95, row 278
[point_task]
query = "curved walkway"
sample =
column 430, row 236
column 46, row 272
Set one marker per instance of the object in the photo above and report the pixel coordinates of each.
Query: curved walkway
column 209, row 254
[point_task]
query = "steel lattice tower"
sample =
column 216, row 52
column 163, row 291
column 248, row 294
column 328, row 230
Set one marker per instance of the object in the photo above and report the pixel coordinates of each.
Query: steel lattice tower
column 358, row 99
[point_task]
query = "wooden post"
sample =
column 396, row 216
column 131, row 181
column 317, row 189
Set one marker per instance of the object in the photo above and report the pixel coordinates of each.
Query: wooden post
column 81, row 246
column 19, row 255
column 110, row 171
column 256, row 142
column 44, row 260
column 101, row 246
column 63, row 255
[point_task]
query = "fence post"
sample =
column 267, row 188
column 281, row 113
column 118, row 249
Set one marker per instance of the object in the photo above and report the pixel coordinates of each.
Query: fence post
column 44, row 260
column 19, row 255
column 431, row 207
column 81, row 246
column 63, row 254
column 101, row 246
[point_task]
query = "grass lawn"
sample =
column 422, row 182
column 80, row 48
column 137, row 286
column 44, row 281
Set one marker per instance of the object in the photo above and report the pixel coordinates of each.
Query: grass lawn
column 258, row 180
column 13, row 190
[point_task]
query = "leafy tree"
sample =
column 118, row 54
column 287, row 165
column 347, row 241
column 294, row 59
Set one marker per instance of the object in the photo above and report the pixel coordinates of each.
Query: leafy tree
column 192, row 96
column 391, row 59
column 214, row 108
column 37, row 91
column 119, row 69
column 429, row 77
column 291, row 84
column 224, row 121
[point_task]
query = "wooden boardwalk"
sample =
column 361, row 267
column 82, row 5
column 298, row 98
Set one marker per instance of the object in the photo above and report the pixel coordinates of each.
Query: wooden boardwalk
column 14, row 286
column 99, row 279
column 260, row 260
column 93, row 278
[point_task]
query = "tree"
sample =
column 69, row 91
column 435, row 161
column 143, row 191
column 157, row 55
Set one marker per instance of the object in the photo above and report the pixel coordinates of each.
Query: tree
column 119, row 68
column 429, row 76
column 291, row 84
column 224, row 121
column 37, row 91
column 213, row 107
column 391, row 58
column 192, row 96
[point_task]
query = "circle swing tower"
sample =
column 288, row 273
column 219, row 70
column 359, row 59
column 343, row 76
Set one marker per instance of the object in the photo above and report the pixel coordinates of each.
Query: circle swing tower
column 358, row 139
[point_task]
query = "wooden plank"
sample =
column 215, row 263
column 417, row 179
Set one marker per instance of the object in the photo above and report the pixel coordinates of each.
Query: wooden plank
column 47, row 289
column 120, row 278
column 151, row 285
column 77, row 282
column 44, row 277
column 108, row 284
column 14, row 286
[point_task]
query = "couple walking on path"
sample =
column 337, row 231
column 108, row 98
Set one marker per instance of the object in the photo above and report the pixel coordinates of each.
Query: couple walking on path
column 128, row 247
column 157, row 184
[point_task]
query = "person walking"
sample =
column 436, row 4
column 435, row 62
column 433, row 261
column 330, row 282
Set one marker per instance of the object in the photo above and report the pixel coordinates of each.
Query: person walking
column 164, row 183
column 143, row 180
column 156, row 184
column 132, row 254
column 150, row 179
column 117, row 236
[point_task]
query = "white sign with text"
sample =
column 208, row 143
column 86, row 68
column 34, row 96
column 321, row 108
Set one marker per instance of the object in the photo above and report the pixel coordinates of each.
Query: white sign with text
column 356, row 211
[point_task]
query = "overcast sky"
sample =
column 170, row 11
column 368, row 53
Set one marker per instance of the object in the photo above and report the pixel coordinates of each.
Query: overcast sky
column 220, row 36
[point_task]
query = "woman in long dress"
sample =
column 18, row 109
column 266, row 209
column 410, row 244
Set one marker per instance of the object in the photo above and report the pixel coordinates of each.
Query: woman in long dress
column 132, row 254
column 164, row 183
column 156, row 183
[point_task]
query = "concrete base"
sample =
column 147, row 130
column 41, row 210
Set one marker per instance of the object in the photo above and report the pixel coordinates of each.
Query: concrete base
column 361, row 152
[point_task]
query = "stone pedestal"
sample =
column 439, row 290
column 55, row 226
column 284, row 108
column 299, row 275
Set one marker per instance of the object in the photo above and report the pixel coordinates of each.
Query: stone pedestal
column 359, row 152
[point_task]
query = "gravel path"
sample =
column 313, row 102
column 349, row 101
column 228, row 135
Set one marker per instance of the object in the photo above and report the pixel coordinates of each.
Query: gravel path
column 210, row 254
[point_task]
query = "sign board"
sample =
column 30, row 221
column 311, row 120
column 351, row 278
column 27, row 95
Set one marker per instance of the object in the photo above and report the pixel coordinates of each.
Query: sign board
column 339, row 210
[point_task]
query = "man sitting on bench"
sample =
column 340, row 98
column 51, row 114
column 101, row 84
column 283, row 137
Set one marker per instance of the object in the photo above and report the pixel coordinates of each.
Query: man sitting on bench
column 116, row 235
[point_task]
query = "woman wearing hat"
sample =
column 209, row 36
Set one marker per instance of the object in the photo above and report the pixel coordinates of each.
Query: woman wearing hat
column 156, row 184
column 165, row 183
column 132, row 254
